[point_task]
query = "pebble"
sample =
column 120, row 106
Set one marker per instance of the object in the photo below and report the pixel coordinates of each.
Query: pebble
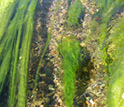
column 56, row 69
column 51, row 86
column 48, row 70
column 41, row 105
column 56, row 105
column 50, row 94
column 37, row 103
column 55, row 65
column 59, row 38
column 34, row 92
column 82, row 44
column 52, row 89
column 42, row 75
column 53, row 52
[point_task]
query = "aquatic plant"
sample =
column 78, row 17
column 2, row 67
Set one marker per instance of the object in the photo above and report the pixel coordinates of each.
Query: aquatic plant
column 75, row 11
column 110, row 9
column 116, row 85
column 19, row 19
column 100, row 28
column 24, row 54
column 15, row 51
column 116, row 68
column 6, row 12
column 6, row 44
column 70, row 51
column 110, row 47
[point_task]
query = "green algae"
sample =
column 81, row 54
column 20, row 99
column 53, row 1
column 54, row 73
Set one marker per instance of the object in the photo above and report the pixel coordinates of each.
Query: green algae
column 108, row 32
column 116, row 68
column 24, row 54
column 6, row 12
column 75, row 10
column 116, row 85
column 70, row 51
column 108, row 8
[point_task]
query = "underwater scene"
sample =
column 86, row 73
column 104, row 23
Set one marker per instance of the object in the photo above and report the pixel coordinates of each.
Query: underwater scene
column 61, row 53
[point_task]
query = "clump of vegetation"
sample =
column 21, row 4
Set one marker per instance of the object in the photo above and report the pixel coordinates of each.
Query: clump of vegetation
column 75, row 11
column 70, row 51
column 107, row 10
column 6, row 12
column 116, row 68
column 110, row 48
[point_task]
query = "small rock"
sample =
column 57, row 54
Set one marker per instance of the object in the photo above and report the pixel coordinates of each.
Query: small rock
column 55, row 69
column 55, row 65
column 50, row 94
column 42, row 75
column 34, row 92
column 59, row 38
column 48, row 70
column 38, row 103
column 41, row 105
column 51, row 87
column 36, row 49
column 56, row 105
column 82, row 44
column 53, row 52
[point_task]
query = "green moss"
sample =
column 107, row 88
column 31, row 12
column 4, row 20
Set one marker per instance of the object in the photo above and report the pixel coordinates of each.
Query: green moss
column 74, row 12
column 70, row 50
column 116, row 86
column 115, row 43
column 116, row 68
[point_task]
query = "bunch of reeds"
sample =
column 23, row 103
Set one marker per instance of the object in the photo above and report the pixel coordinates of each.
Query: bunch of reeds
column 15, row 42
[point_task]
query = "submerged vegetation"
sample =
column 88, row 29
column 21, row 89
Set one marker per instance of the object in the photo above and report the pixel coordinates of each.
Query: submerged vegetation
column 76, row 10
column 70, row 51
column 116, row 68
column 110, row 47
column 15, row 49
